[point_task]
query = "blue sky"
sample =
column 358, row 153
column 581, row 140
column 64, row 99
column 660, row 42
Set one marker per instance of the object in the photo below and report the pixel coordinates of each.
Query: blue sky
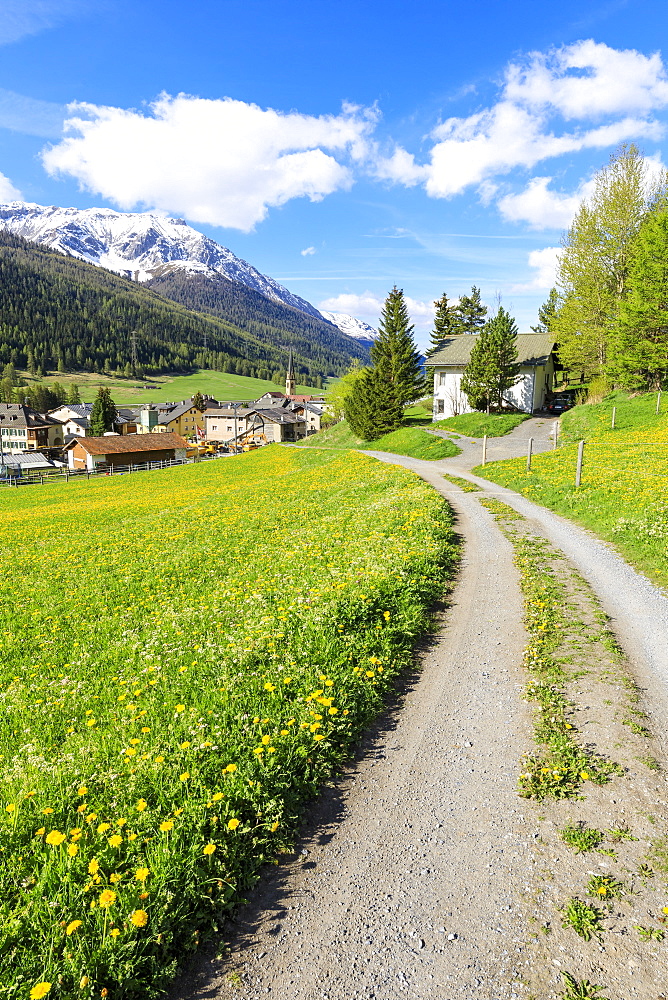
column 340, row 148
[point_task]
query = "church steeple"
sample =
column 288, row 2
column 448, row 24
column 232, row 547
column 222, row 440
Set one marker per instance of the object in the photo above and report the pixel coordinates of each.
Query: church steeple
column 290, row 377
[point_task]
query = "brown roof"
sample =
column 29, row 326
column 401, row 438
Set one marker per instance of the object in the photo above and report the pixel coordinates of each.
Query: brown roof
column 129, row 443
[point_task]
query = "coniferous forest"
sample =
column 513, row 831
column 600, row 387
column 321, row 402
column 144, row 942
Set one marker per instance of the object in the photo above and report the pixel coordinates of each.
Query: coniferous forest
column 59, row 313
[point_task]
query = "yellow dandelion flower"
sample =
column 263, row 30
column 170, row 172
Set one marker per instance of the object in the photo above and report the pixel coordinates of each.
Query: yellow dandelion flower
column 47, row 811
column 40, row 832
column 274, row 826
column 233, row 824
column 10, row 807
column 141, row 805
column 103, row 827
column 115, row 841
column 106, row 899
column 93, row 866
column 266, row 740
column 318, row 737
column 185, row 745
column 142, row 874
column 209, row 849
column 166, row 826
column 115, row 877
column 231, row 768
column 114, row 932
column 39, row 990
column 217, row 797
column 55, row 838
column 584, row 775
column 72, row 926
column 83, row 982
column 184, row 776
column 180, row 708
column 139, row 918
column 73, row 850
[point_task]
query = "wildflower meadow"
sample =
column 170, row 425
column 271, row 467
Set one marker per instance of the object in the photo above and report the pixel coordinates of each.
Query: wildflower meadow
column 623, row 495
column 185, row 655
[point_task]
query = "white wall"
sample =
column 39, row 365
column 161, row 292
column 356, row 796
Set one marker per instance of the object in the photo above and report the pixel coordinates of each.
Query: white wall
column 527, row 395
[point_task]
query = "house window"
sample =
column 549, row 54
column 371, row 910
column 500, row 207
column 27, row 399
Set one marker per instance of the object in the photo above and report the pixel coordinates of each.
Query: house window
column 441, row 378
column 440, row 406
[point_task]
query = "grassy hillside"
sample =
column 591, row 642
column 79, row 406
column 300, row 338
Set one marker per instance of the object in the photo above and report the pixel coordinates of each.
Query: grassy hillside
column 624, row 491
column 172, row 699
column 479, row 424
column 161, row 388
column 412, row 441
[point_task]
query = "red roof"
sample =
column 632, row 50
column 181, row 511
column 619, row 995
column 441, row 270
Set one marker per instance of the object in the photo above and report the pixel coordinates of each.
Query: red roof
column 129, row 443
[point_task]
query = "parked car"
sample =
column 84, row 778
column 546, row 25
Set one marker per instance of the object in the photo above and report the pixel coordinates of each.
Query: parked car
column 559, row 404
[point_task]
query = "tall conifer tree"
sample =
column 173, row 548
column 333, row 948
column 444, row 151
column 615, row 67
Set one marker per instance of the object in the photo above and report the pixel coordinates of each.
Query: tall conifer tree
column 471, row 312
column 446, row 324
column 103, row 413
column 394, row 353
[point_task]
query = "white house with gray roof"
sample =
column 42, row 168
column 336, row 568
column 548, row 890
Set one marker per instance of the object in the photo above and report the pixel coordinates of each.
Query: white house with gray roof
column 535, row 354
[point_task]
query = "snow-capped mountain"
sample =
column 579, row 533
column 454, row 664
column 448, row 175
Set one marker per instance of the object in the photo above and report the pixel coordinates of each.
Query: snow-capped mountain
column 139, row 245
column 355, row 328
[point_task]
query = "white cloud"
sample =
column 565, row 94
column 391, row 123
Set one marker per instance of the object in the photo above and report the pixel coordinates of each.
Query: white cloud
column 308, row 252
column 543, row 208
column 611, row 92
column 7, row 190
column 589, row 78
column 544, row 263
column 222, row 162
column 368, row 306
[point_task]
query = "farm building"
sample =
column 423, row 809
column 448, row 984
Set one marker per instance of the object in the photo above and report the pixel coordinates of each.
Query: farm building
column 535, row 354
column 90, row 453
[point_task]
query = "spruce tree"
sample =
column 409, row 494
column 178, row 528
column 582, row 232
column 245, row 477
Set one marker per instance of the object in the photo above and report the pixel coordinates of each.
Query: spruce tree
column 74, row 396
column 372, row 409
column 446, row 324
column 394, row 354
column 471, row 312
column 547, row 313
column 103, row 414
column 492, row 367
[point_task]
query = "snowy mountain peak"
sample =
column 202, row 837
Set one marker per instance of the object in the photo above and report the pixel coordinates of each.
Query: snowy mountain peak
column 139, row 245
column 351, row 326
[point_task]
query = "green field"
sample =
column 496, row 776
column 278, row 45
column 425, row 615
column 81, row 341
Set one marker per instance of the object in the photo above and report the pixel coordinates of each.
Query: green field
column 132, row 392
column 479, row 424
column 185, row 655
column 624, row 492
column 410, row 440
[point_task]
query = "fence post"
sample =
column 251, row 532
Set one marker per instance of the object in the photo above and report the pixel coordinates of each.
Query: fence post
column 555, row 435
column 529, row 451
column 658, row 401
column 614, row 414
column 578, row 471
column 484, row 449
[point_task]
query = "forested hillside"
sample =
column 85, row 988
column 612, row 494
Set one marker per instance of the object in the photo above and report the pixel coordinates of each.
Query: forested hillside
column 60, row 313
column 249, row 310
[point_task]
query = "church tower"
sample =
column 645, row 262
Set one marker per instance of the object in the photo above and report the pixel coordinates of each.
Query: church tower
column 290, row 377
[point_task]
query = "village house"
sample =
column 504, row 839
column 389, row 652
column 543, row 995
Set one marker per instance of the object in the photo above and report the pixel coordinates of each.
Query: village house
column 76, row 419
column 223, row 424
column 24, row 429
column 183, row 418
column 267, row 426
column 91, row 453
column 535, row 355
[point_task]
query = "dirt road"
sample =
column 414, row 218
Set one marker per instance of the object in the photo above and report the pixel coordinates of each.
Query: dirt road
column 417, row 873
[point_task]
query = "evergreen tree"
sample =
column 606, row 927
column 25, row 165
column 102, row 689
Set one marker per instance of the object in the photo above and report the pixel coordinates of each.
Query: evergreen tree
column 372, row 409
column 547, row 313
column 639, row 359
column 394, row 355
column 446, row 324
column 74, row 396
column 492, row 367
column 103, row 414
column 198, row 402
column 471, row 313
